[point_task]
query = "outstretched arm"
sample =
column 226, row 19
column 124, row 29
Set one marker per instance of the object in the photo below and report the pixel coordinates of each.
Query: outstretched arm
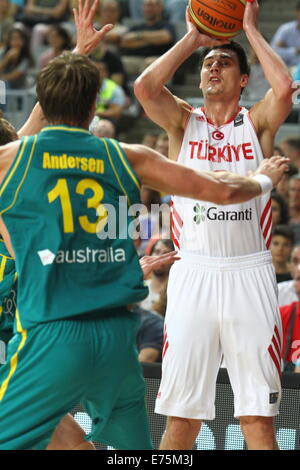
column 87, row 39
column 272, row 111
column 221, row 187
column 34, row 123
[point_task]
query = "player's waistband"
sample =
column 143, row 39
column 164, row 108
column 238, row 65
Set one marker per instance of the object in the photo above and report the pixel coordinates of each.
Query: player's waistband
column 212, row 263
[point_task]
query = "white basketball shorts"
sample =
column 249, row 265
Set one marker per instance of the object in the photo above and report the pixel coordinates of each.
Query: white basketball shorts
column 215, row 306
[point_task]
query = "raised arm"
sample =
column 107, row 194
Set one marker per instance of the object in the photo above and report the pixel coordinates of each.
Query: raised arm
column 271, row 112
column 158, row 102
column 221, row 187
column 88, row 38
column 34, row 123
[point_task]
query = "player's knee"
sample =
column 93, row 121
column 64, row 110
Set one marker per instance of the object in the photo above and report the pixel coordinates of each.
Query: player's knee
column 263, row 424
column 182, row 427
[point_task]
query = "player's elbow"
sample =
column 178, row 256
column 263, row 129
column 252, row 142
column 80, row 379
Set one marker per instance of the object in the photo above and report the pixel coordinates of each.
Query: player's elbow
column 286, row 89
column 142, row 88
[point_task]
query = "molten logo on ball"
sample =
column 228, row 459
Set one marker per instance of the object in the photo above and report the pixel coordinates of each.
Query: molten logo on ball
column 213, row 21
column 218, row 18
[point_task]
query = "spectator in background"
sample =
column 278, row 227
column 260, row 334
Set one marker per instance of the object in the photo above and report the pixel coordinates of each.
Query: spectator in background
column 297, row 72
column 112, row 66
column 144, row 42
column 111, row 99
column 44, row 11
column 59, row 40
column 286, row 289
column 278, row 151
column 257, row 85
column 162, row 144
column 6, row 22
column 279, row 209
column 281, row 249
column 282, row 187
column 16, row 58
column 294, row 199
column 160, row 306
column 150, row 139
column 16, row 7
column 175, row 10
column 149, row 218
column 149, row 335
column 159, row 276
column 103, row 128
column 110, row 11
column 291, row 149
column 38, row 14
column 290, row 316
column 286, row 41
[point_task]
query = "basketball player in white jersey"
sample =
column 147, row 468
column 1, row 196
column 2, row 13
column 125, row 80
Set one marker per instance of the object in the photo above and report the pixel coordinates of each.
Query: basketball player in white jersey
column 222, row 294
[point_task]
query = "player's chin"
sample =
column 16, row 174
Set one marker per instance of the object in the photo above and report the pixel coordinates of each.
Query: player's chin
column 214, row 90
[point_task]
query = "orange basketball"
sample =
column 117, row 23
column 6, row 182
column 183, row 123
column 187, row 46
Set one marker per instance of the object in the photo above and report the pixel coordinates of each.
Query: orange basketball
column 218, row 18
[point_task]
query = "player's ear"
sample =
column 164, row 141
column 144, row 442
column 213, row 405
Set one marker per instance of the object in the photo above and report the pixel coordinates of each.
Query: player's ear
column 244, row 80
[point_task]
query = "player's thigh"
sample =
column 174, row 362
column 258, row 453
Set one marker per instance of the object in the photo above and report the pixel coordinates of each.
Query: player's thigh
column 116, row 397
column 251, row 341
column 44, row 377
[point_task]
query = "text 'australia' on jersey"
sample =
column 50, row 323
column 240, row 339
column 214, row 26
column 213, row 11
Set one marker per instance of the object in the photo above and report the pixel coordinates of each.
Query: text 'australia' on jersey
column 53, row 202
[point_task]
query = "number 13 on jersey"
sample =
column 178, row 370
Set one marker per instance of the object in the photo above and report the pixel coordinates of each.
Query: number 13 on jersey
column 61, row 191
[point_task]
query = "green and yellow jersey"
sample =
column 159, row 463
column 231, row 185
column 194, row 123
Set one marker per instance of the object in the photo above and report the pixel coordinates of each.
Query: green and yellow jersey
column 8, row 293
column 60, row 201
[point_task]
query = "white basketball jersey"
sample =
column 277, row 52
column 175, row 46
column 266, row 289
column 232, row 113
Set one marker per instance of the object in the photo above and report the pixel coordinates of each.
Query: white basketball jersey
column 209, row 229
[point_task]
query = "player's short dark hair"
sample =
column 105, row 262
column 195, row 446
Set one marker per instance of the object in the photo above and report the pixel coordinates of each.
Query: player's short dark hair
column 7, row 131
column 67, row 88
column 284, row 231
column 232, row 46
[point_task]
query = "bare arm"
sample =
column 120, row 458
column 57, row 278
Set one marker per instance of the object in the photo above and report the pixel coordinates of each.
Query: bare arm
column 271, row 112
column 87, row 39
column 34, row 123
column 223, row 187
column 161, row 106
column 148, row 355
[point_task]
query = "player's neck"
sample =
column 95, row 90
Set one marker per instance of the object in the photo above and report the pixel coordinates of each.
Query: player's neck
column 70, row 123
column 219, row 113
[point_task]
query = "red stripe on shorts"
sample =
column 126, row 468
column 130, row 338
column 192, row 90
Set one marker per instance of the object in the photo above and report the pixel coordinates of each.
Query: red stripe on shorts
column 277, row 335
column 274, row 342
column 165, row 349
column 274, row 359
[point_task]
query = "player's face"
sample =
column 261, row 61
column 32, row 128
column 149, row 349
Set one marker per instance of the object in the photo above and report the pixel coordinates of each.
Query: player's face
column 220, row 74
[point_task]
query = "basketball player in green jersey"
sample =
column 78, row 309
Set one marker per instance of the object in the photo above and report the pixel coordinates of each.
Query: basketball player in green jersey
column 75, row 339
